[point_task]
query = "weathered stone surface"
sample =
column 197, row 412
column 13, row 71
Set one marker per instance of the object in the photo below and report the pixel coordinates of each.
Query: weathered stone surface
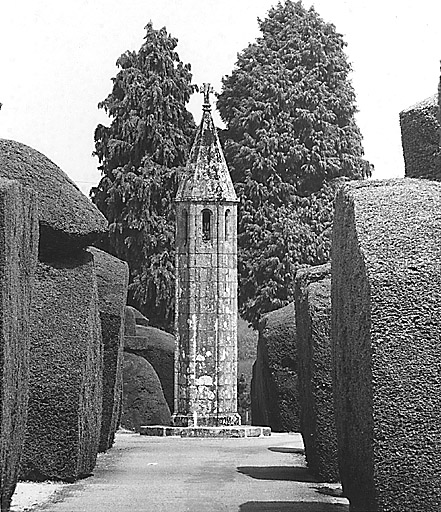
column 18, row 258
column 274, row 395
column 158, row 348
column 206, row 285
column 113, row 279
column 206, row 175
column 386, row 330
column 143, row 399
column 420, row 138
column 313, row 323
column 234, row 431
column 66, row 365
column 68, row 220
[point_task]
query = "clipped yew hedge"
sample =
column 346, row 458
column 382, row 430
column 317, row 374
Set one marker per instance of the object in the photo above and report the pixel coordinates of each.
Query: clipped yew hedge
column 158, row 348
column 66, row 372
column 386, row 341
column 420, row 137
column 18, row 259
column 143, row 399
column 68, row 219
column 274, row 393
column 113, row 278
column 313, row 322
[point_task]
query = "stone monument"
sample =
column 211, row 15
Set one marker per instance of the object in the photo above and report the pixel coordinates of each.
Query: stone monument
column 206, row 285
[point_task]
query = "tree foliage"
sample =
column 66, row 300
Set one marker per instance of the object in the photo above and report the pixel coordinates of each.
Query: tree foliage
column 289, row 112
column 140, row 154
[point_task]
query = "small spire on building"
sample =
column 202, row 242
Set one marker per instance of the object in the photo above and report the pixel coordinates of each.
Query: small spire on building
column 206, row 176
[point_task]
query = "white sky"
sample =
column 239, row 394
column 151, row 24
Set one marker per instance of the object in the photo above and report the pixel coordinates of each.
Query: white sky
column 57, row 59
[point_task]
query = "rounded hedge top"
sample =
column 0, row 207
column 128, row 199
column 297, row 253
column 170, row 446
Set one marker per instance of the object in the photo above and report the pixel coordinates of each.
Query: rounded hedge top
column 68, row 220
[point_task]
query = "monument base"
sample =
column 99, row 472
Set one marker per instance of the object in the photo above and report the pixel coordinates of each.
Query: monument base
column 238, row 431
column 210, row 420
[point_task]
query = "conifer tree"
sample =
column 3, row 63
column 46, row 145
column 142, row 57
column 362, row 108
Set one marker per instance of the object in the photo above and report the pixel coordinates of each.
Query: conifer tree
column 140, row 154
column 289, row 112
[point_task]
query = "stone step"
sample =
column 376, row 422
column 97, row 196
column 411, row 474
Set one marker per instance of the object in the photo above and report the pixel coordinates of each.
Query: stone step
column 238, row 431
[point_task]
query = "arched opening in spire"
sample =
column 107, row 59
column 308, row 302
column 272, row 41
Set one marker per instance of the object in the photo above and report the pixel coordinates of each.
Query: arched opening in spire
column 227, row 224
column 206, row 225
column 185, row 227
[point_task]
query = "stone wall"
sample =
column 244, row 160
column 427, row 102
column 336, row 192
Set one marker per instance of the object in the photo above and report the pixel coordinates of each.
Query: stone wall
column 386, row 325
column 18, row 258
column 313, row 322
column 274, row 394
column 420, row 138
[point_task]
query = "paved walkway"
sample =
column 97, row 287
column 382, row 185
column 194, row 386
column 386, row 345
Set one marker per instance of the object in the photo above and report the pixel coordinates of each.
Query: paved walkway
column 148, row 474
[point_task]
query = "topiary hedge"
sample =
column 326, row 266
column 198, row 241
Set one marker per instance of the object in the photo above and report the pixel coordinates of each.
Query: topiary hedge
column 68, row 220
column 18, row 258
column 313, row 323
column 66, row 372
column 143, row 399
column 113, row 278
column 386, row 340
column 420, row 138
column 274, row 394
column 158, row 348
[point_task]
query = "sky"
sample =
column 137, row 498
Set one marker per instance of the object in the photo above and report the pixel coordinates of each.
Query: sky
column 57, row 59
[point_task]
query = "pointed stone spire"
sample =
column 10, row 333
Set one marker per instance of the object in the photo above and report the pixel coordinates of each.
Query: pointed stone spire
column 206, row 176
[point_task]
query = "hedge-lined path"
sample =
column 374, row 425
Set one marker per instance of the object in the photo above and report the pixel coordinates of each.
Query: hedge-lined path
column 143, row 474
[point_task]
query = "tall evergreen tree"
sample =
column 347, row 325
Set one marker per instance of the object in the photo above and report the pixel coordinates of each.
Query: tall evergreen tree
column 140, row 154
column 289, row 112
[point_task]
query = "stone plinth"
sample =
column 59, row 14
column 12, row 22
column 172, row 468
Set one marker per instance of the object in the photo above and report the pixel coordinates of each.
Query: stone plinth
column 221, row 420
column 238, row 431
column 386, row 343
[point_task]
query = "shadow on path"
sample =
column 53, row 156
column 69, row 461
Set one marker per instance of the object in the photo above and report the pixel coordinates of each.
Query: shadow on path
column 284, row 473
column 292, row 506
column 285, row 449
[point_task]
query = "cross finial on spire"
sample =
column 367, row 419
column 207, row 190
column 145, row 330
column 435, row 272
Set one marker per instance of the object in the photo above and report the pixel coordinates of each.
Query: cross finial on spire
column 207, row 89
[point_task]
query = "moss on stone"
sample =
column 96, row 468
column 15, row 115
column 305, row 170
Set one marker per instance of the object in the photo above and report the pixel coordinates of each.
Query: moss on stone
column 386, row 324
column 18, row 258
